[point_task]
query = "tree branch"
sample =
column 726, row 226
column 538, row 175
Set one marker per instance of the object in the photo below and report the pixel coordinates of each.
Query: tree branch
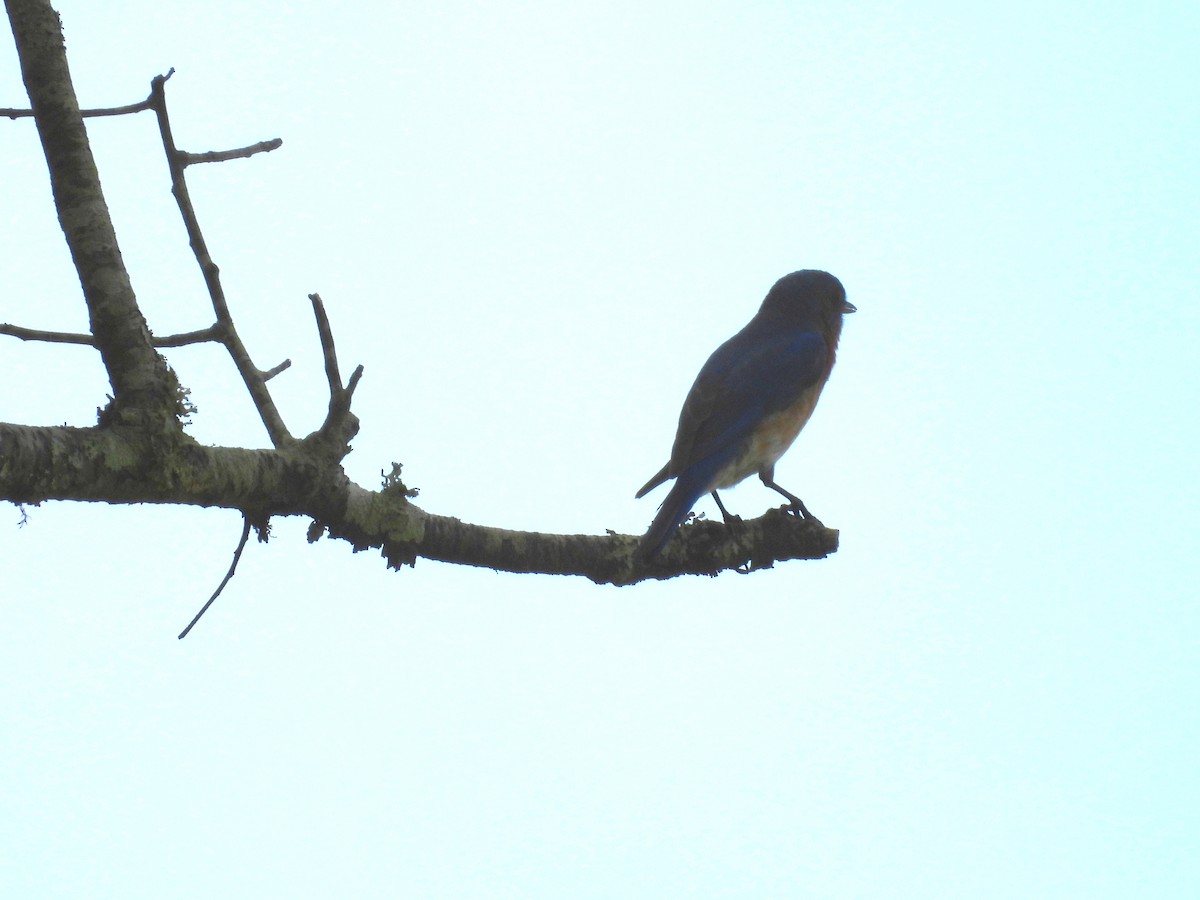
column 98, row 464
column 189, row 159
column 275, row 370
column 49, row 337
column 328, row 350
column 205, row 335
column 252, row 376
column 143, row 388
column 140, row 106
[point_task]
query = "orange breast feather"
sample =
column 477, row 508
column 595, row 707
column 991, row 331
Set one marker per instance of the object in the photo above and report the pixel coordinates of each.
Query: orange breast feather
column 770, row 439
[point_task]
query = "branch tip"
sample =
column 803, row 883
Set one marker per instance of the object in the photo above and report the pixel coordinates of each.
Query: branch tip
column 272, row 372
column 50, row 337
column 211, row 156
column 332, row 373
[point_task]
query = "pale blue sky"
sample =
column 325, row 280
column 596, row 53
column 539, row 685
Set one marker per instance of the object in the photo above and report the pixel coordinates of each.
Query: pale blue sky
column 531, row 223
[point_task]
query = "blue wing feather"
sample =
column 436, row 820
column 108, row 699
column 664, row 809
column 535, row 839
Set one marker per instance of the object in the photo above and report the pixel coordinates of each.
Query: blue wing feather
column 749, row 377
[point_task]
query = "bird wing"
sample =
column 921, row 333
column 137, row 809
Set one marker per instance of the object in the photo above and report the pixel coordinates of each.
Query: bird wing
column 658, row 478
column 755, row 373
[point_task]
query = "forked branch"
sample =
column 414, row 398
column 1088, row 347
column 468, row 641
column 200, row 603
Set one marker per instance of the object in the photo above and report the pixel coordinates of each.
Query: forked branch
column 143, row 462
column 253, row 377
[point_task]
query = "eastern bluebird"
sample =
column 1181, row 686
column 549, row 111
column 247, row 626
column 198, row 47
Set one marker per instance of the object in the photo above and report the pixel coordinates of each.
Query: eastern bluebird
column 751, row 399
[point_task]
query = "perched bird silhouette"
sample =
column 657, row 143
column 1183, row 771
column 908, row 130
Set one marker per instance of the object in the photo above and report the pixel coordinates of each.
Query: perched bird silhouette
column 751, row 399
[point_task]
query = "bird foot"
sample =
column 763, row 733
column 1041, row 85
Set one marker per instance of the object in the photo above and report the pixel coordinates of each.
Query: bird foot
column 800, row 511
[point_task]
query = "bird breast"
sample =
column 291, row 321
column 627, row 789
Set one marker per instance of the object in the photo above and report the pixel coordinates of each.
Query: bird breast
column 769, row 440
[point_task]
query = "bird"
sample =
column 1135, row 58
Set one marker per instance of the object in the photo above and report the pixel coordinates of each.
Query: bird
column 751, row 399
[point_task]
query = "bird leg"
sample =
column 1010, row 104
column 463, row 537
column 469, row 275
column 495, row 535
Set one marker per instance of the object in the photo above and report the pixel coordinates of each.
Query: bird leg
column 730, row 520
column 796, row 503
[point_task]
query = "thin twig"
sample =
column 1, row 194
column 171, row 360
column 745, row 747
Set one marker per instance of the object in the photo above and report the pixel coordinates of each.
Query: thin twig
column 140, row 106
column 339, row 402
column 332, row 375
column 339, row 424
column 204, row 335
column 237, row 555
column 189, row 159
column 353, row 383
column 50, row 337
column 251, row 374
column 272, row 372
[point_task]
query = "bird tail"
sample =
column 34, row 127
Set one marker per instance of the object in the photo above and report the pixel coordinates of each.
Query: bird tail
column 689, row 487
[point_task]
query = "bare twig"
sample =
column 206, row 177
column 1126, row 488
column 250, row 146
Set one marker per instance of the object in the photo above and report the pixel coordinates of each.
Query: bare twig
column 237, row 555
column 338, row 424
column 332, row 375
column 205, row 335
column 189, row 159
column 140, row 106
column 272, row 372
column 50, row 337
column 252, row 376
column 354, row 377
column 339, row 404
column 65, row 337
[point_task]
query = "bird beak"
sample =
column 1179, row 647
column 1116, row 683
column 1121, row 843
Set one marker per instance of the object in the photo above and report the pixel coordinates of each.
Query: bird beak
column 848, row 307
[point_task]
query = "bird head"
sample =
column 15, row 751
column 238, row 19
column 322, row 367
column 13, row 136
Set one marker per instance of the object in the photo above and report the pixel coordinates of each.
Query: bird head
column 807, row 296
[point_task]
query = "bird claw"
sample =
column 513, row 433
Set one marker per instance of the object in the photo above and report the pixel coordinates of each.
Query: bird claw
column 800, row 511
